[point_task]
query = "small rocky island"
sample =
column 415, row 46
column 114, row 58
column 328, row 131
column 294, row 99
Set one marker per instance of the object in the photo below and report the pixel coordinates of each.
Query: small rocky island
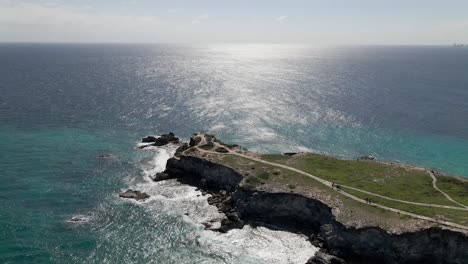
column 355, row 211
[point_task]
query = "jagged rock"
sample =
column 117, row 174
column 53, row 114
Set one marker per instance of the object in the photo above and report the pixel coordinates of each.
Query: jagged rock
column 205, row 173
column 170, row 137
column 324, row 258
column 78, row 218
column 161, row 176
column 132, row 194
column 194, row 141
column 148, row 139
column 160, row 141
column 300, row 214
column 104, row 156
column 164, row 139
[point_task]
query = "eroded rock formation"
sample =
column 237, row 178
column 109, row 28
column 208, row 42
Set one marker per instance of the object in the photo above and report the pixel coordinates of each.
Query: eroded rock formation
column 299, row 214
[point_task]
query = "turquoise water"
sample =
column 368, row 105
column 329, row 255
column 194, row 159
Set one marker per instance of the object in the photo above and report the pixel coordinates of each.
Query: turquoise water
column 63, row 105
column 52, row 175
column 55, row 174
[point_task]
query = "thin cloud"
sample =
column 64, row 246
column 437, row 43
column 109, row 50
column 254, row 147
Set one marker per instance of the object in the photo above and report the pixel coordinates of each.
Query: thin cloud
column 172, row 11
column 281, row 18
column 199, row 19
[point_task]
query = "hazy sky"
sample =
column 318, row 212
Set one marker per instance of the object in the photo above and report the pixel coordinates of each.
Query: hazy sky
column 289, row 21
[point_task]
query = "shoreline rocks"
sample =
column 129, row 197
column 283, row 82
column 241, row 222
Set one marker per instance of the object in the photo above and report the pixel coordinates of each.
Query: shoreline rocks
column 299, row 214
column 161, row 176
column 162, row 140
column 133, row 194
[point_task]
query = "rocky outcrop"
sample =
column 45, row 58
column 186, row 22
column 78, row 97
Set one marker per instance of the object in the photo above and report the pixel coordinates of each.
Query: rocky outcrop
column 194, row 141
column 296, row 213
column 299, row 214
column 132, row 194
column 164, row 139
column 203, row 173
column 161, row 176
column 105, row 156
column 148, row 139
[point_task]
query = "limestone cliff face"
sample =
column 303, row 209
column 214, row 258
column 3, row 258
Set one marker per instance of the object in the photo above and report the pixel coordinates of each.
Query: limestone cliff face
column 364, row 245
column 203, row 173
column 285, row 210
column 296, row 213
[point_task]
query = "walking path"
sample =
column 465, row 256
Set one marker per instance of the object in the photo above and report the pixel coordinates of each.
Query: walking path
column 434, row 184
column 407, row 202
column 331, row 185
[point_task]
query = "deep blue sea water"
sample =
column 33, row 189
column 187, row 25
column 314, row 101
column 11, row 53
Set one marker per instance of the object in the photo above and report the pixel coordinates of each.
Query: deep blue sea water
column 63, row 105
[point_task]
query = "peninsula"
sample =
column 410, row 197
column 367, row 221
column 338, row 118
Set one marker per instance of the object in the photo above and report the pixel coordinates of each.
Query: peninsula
column 355, row 211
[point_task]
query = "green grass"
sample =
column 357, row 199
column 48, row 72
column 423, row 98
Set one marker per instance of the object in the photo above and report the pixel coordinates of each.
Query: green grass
column 207, row 146
column 264, row 175
column 456, row 216
column 456, row 188
column 259, row 175
column 293, row 180
column 384, row 179
column 221, row 150
column 190, row 150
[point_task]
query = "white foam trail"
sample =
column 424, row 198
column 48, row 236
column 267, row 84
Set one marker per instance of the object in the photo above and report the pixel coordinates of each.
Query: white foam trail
column 247, row 245
column 269, row 246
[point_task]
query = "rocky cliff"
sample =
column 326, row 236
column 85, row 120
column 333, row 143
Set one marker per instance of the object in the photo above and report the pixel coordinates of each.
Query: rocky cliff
column 296, row 213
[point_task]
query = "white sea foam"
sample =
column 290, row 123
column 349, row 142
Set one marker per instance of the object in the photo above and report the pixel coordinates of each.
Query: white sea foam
column 247, row 245
column 269, row 246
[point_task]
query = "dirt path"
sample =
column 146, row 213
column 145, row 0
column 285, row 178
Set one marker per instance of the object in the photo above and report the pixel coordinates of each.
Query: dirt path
column 434, row 184
column 406, row 202
column 330, row 185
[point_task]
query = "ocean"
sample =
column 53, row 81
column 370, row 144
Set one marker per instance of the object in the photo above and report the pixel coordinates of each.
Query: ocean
column 62, row 105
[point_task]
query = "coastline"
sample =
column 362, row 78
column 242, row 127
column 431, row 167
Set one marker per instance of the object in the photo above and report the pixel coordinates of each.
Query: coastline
column 277, row 208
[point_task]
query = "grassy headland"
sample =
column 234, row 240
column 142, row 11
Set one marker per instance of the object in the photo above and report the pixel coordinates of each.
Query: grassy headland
column 396, row 186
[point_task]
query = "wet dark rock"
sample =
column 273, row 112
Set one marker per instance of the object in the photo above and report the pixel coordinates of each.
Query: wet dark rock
column 289, row 153
column 164, row 139
column 299, row 214
column 202, row 173
column 170, row 137
column 78, row 218
column 194, row 141
column 104, row 156
column 160, row 141
column 148, row 139
column 132, row 194
column 323, row 258
column 161, row 176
